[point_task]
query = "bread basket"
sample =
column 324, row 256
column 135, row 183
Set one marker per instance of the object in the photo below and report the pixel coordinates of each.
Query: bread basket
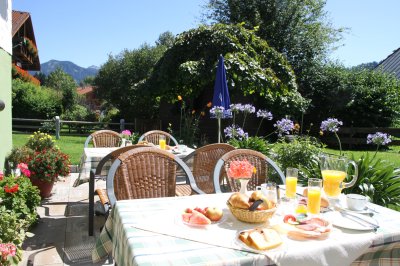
column 257, row 216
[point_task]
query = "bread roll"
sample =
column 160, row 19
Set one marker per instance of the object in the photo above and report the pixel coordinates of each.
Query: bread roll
column 239, row 200
column 256, row 195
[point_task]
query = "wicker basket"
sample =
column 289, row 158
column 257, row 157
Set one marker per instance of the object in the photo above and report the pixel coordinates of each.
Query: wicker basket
column 258, row 216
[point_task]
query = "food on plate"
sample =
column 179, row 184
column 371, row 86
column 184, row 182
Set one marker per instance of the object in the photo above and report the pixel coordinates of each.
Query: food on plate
column 214, row 213
column 303, row 228
column 242, row 201
column 194, row 217
column 260, row 238
column 239, row 200
column 324, row 200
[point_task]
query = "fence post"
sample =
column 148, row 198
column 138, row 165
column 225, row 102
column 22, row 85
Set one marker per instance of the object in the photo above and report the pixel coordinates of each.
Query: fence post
column 57, row 122
column 122, row 124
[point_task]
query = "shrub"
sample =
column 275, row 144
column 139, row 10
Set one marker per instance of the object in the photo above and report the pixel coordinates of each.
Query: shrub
column 301, row 153
column 19, row 195
column 379, row 180
column 31, row 101
column 78, row 113
column 17, row 155
column 253, row 143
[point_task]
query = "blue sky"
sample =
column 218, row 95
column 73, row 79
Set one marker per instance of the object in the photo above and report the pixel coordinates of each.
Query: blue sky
column 87, row 31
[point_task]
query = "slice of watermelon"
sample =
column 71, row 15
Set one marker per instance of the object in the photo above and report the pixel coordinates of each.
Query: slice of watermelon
column 199, row 218
column 186, row 217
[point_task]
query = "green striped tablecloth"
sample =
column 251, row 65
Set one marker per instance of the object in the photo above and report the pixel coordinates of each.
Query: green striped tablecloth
column 150, row 232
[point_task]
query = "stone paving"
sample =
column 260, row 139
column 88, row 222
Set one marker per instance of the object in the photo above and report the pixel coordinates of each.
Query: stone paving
column 61, row 235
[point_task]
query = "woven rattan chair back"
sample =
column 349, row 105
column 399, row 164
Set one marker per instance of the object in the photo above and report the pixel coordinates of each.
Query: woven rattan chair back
column 154, row 137
column 204, row 161
column 146, row 172
column 104, row 139
column 257, row 159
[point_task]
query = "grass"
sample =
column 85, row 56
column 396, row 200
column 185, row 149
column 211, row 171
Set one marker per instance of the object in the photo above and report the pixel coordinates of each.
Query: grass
column 392, row 154
column 71, row 145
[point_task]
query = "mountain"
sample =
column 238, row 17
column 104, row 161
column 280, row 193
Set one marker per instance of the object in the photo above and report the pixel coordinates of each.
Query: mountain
column 78, row 73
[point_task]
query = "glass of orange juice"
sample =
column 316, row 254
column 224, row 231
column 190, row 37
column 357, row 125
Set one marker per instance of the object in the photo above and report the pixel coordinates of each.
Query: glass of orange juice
column 314, row 196
column 291, row 182
column 334, row 172
column 162, row 142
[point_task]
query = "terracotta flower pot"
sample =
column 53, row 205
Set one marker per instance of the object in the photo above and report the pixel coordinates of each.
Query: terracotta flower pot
column 44, row 186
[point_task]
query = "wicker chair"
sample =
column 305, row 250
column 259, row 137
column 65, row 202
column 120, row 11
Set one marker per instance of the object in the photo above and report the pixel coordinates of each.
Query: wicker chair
column 104, row 138
column 259, row 160
column 144, row 173
column 154, row 136
column 204, row 160
column 102, row 193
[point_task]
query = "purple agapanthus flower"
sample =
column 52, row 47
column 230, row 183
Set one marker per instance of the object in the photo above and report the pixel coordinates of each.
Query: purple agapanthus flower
column 235, row 132
column 248, row 108
column 331, row 124
column 264, row 114
column 379, row 138
column 217, row 111
column 284, row 126
column 236, row 107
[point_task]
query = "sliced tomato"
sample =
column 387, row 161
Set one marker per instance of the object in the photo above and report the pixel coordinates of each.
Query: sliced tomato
column 291, row 219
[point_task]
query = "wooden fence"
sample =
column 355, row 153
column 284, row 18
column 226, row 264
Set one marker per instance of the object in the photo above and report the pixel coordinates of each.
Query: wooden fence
column 82, row 127
column 357, row 136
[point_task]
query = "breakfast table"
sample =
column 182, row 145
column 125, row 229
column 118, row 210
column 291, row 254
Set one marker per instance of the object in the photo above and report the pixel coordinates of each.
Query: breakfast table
column 92, row 156
column 151, row 232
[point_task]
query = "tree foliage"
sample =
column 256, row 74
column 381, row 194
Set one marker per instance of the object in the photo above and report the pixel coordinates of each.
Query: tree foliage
column 121, row 81
column 296, row 28
column 254, row 68
column 359, row 97
column 31, row 101
column 65, row 85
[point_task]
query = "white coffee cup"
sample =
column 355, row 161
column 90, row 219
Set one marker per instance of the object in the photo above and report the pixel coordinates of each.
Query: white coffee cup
column 356, row 202
column 182, row 148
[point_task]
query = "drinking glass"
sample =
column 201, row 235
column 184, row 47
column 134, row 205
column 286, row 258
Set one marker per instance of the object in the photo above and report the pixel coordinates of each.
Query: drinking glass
column 334, row 172
column 269, row 190
column 314, row 196
column 291, row 182
column 162, row 142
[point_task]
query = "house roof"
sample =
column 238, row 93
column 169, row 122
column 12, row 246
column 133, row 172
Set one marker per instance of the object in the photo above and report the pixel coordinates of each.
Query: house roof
column 391, row 64
column 84, row 90
column 20, row 20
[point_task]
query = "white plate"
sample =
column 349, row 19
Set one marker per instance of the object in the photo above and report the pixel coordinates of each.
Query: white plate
column 240, row 243
column 343, row 221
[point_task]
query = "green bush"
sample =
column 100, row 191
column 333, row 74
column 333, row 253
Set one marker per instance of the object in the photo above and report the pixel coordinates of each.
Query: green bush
column 31, row 101
column 16, row 156
column 379, row 180
column 253, row 143
column 301, row 153
column 78, row 113
column 364, row 98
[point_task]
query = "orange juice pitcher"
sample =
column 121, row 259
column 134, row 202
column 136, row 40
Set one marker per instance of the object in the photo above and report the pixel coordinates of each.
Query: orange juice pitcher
column 334, row 172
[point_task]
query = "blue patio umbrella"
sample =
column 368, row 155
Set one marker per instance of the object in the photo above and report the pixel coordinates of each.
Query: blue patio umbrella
column 221, row 93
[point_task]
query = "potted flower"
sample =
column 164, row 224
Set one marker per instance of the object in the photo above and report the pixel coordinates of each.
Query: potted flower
column 45, row 166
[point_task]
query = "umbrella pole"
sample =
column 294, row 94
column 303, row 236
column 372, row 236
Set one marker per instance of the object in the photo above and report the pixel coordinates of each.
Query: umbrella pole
column 219, row 130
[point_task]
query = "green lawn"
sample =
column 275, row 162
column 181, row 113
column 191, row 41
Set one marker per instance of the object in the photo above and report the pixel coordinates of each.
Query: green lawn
column 73, row 146
column 392, row 154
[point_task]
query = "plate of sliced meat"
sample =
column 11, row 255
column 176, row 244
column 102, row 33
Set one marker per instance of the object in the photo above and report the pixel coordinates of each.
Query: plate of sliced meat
column 306, row 228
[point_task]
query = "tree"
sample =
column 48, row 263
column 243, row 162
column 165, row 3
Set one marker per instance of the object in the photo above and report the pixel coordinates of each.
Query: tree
column 254, row 68
column 296, row 28
column 121, row 80
column 166, row 38
column 65, row 85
